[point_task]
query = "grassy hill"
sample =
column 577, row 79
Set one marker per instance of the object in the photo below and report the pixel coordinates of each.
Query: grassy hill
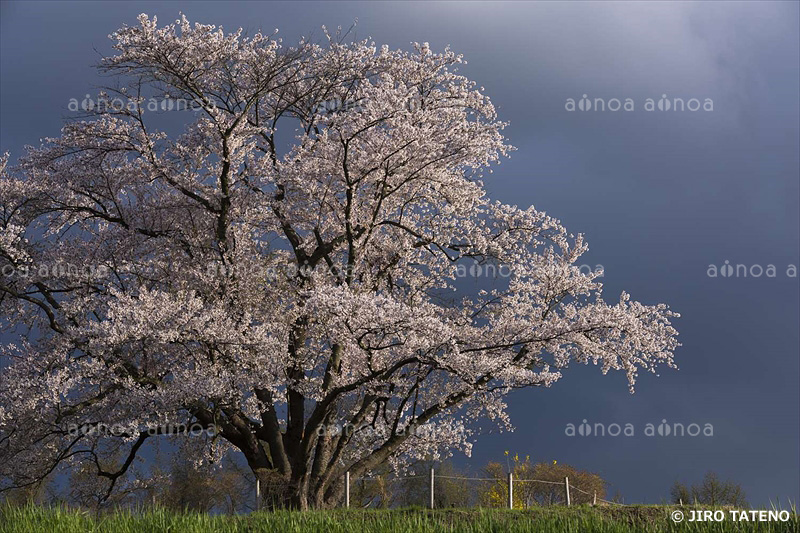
column 577, row 519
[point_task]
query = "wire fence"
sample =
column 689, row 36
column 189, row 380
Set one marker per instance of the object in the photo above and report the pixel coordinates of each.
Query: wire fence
column 428, row 489
column 561, row 492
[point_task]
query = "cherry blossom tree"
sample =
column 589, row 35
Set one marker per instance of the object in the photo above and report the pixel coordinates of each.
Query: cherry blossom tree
column 292, row 292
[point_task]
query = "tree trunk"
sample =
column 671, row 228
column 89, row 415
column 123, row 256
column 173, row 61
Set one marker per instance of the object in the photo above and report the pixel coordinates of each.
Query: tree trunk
column 287, row 492
column 279, row 492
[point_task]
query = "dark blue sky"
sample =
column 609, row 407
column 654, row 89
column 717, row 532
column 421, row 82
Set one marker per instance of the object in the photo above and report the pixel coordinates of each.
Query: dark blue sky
column 660, row 195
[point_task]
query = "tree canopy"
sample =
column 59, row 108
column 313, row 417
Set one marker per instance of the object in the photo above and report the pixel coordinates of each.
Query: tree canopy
column 295, row 297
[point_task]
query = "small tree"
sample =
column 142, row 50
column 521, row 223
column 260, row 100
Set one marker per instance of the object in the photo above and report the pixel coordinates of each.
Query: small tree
column 680, row 493
column 583, row 484
column 384, row 488
column 222, row 487
column 449, row 490
column 548, row 489
column 374, row 489
column 496, row 494
column 710, row 491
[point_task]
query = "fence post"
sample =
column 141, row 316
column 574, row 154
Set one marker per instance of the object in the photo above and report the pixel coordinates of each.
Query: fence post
column 594, row 500
column 510, row 490
column 566, row 488
column 258, row 494
column 347, row 489
column 431, row 502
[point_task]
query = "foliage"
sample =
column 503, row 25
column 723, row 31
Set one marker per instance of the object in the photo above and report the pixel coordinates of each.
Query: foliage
column 549, row 489
column 385, row 489
column 711, row 490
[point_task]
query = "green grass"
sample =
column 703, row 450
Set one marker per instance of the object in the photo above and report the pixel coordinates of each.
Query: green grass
column 578, row 519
